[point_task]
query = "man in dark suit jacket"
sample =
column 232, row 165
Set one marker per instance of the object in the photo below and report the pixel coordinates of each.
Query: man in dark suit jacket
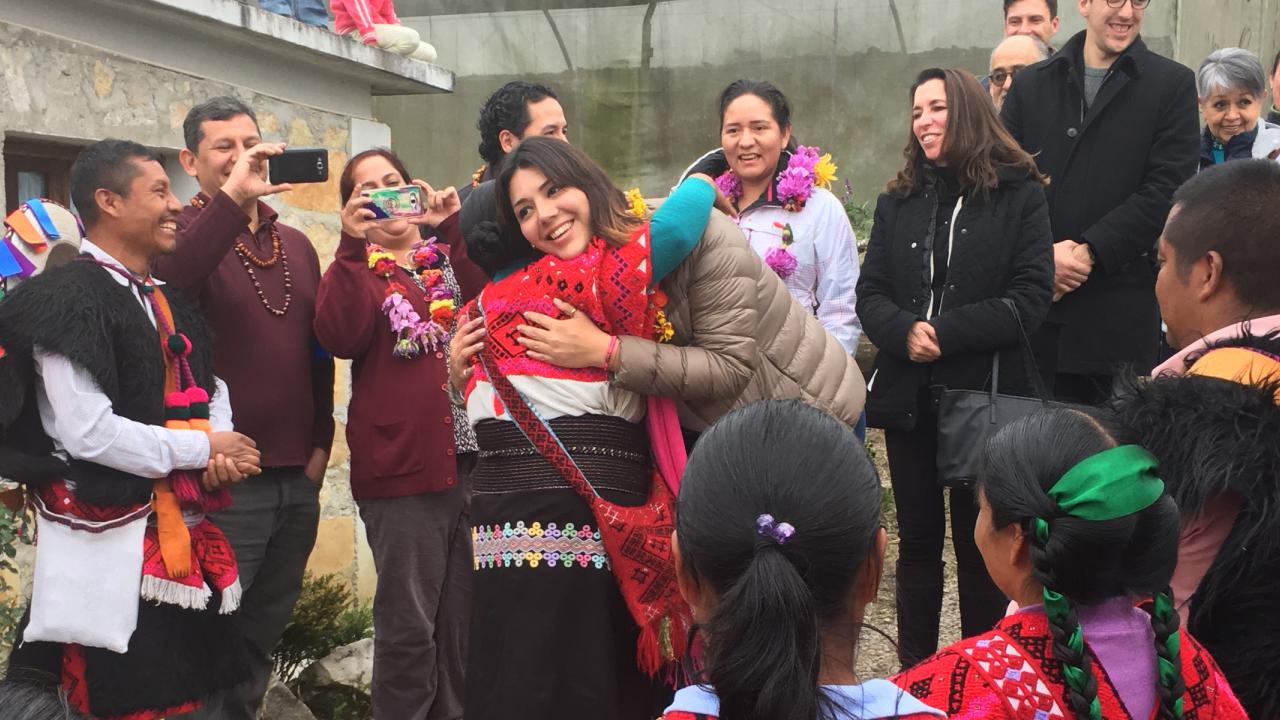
column 1116, row 129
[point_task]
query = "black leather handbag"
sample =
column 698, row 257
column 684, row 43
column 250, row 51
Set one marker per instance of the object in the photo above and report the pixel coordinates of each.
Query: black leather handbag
column 967, row 418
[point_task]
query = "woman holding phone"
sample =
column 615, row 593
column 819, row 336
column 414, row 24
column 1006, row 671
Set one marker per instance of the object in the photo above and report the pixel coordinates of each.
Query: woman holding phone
column 387, row 303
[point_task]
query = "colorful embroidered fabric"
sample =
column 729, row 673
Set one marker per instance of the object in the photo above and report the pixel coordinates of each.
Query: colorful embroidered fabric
column 609, row 284
column 637, row 538
column 1010, row 673
column 211, row 553
column 536, row 546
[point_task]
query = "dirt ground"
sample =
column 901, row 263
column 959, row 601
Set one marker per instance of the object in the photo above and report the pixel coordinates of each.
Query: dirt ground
column 877, row 656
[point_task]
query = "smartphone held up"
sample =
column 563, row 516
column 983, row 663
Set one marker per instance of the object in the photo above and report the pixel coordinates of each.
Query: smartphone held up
column 395, row 202
column 299, row 165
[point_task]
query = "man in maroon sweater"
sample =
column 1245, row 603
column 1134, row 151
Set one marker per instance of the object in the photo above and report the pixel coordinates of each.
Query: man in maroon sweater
column 256, row 280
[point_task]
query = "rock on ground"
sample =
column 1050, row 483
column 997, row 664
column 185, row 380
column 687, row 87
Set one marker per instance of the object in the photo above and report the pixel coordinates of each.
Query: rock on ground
column 281, row 704
column 349, row 666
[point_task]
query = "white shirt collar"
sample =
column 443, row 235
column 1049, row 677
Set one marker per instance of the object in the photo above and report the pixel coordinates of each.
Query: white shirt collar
column 90, row 248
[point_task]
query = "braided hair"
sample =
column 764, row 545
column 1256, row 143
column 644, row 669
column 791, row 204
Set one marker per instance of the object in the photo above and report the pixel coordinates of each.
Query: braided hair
column 1085, row 561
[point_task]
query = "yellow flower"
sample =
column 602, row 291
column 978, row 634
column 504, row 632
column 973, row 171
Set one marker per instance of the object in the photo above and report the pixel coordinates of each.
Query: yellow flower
column 824, row 172
column 635, row 202
column 376, row 256
column 663, row 330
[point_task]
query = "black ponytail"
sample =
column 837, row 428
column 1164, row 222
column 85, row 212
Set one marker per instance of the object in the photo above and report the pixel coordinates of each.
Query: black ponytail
column 775, row 597
column 766, row 653
column 1085, row 561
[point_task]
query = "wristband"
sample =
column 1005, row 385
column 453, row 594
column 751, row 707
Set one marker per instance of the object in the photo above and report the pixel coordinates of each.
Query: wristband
column 608, row 354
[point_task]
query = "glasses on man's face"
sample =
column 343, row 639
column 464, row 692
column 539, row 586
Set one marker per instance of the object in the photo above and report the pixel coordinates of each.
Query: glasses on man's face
column 999, row 76
column 1137, row 4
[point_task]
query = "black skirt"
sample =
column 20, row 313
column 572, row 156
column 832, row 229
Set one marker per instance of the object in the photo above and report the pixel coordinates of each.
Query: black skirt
column 551, row 636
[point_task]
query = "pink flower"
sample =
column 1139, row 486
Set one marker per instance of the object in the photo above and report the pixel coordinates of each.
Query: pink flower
column 804, row 157
column 782, row 261
column 795, row 185
column 729, row 184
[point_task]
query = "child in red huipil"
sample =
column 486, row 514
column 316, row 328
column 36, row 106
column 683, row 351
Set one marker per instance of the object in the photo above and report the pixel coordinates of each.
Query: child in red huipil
column 374, row 22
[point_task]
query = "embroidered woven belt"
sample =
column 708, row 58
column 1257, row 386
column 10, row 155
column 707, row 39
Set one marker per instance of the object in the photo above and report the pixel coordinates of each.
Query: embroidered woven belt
column 534, row 545
column 613, row 454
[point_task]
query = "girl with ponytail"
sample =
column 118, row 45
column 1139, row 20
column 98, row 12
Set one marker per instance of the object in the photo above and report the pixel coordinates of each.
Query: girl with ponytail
column 1075, row 525
column 778, row 550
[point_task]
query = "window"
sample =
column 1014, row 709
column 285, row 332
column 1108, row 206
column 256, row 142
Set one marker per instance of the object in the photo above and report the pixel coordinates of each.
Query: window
column 35, row 168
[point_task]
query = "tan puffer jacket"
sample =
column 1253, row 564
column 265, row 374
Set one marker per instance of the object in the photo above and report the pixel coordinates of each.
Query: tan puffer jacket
column 739, row 337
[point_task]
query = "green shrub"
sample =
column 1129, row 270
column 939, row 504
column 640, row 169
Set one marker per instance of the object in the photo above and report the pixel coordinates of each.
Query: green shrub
column 325, row 617
column 15, row 529
column 861, row 215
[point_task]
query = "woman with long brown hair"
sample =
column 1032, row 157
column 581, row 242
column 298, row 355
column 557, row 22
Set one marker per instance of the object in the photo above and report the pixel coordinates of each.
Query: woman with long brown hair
column 962, row 229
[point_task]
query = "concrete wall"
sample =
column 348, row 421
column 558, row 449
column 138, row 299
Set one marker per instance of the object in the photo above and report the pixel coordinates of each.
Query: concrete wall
column 60, row 90
column 640, row 93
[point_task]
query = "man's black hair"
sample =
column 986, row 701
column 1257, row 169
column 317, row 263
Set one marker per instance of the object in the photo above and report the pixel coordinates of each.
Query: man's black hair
column 107, row 164
column 1232, row 208
column 223, row 107
column 1053, row 7
column 507, row 109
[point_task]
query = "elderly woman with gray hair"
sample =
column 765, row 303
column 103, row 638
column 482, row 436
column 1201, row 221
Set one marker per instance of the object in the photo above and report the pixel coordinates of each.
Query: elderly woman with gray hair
column 1231, row 85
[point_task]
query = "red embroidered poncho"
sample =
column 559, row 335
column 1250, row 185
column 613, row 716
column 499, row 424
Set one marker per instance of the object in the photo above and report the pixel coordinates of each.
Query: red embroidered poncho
column 1010, row 673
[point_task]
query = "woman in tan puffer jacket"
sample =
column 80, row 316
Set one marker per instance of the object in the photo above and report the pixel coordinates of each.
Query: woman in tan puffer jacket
column 739, row 337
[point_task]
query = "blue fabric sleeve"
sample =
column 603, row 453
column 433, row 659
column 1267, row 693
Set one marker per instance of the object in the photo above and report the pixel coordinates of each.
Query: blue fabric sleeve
column 677, row 225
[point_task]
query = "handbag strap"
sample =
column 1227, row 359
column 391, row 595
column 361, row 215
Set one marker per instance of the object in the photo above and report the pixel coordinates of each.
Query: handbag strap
column 1028, row 358
column 532, row 426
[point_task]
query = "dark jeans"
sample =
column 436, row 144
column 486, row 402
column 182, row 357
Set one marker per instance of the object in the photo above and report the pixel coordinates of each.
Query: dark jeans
column 922, row 528
column 272, row 527
column 422, row 551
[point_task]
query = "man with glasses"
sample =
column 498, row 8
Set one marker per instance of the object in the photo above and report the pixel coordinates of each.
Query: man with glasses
column 1116, row 127
column 1011, row 55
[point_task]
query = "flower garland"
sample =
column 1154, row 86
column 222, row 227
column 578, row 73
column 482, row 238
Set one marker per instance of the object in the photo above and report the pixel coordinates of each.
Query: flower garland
column 663, row 330
column 414, row 335
column 805, row 171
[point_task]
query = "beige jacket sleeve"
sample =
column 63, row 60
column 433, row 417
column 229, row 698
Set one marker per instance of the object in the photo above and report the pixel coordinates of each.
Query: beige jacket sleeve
column 712, row 301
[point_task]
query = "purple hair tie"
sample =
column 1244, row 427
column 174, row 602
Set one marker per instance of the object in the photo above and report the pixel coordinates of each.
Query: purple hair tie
column 780, row 533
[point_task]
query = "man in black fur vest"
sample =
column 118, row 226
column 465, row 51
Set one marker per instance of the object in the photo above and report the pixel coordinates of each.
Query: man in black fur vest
column 1212, row 417
column 113, row 419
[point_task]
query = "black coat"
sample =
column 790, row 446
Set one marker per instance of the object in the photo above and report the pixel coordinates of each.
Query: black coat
column 1001, row 249
column 1113, row 171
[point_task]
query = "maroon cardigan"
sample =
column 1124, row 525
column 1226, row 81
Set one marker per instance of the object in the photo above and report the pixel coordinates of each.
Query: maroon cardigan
column 281, row 387
column 399, row 423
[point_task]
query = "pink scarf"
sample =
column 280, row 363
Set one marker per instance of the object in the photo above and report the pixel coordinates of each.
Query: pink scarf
column 1178, row 365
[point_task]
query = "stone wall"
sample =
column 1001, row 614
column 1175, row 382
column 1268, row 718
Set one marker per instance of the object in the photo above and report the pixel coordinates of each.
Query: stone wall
column 61, row 91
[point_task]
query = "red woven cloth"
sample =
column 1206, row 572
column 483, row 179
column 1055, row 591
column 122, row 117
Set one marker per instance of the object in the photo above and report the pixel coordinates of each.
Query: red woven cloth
column 1009, row 673
column 609, row 284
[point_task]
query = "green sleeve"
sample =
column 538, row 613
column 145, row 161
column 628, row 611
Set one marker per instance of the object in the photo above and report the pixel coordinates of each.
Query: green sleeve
column 677, row 225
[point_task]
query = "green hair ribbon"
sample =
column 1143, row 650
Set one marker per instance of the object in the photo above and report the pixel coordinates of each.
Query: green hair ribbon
column 1116, row 482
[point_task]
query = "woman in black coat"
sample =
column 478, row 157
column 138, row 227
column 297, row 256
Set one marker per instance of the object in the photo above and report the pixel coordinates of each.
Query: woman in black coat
column 963, row 228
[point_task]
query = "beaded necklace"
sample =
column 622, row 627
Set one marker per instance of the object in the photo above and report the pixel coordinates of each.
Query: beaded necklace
column 249, row 261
